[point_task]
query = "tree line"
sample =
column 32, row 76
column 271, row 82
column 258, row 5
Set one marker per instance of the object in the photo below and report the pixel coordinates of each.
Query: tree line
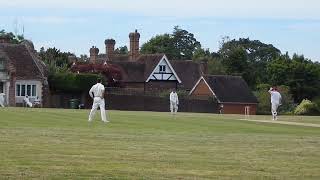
column 261, row 65
column 257, row 62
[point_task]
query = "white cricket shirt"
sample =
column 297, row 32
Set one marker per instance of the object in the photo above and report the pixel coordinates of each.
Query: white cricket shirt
column 97, row 90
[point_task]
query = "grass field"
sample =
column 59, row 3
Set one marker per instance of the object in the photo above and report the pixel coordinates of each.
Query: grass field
column 61, row 144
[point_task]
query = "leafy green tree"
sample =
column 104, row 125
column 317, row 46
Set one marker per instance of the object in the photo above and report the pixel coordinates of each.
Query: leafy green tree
column 122, row 50
column 248, row 58
column 300, row 74
column 54, row 57
column 304, row 78
column 185, row 43
column 180, row 45
column 215, row 66
column 15, row 39
column 160, row 44
column 278, row 70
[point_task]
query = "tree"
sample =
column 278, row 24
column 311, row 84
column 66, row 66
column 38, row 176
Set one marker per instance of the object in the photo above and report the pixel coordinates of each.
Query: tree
column 215, row 66
column 15, row 39
column 180, row 45
column 300, row 74
column 252, row 61
column 121, row 50
column 160, row 44
column 278, row 70
column 304, row 78
column 54, row 58
column 185, row 43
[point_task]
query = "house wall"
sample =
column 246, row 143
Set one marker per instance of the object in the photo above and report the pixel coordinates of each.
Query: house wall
column 202, row 90
column 163, row 75
column 19, row 99
column 136, row 85
column 238, row 108
column 160, row 85
column 135, row 103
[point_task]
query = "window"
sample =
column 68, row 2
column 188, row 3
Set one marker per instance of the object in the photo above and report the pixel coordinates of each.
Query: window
column 162, row 68
column 18, row 92
column 26, row 89
column 34, row 90
column 29, row 90
column 23, row 90
column 1, row 87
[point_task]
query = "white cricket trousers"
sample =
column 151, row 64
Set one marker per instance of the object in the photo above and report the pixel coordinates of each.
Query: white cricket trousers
column 173, row 107
column 1, row 101
column 98, row 102
column 274, row 108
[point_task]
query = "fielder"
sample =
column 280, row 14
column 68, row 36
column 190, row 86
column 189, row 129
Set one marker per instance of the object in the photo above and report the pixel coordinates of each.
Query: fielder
column 97, row 94
column 27, row 101
column 174, row 102
column 275, row 102
column 2, row 99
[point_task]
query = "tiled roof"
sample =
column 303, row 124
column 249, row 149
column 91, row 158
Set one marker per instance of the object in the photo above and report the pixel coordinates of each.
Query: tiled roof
column 26, row 65
column 188, row 71
column 232, row 89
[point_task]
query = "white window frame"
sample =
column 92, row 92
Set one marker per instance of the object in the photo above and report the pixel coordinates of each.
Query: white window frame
column 32, row 87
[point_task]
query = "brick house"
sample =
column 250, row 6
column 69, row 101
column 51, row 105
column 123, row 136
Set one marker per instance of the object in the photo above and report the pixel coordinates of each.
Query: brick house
column 22, row 73
column 230, row 91
column 148, row 72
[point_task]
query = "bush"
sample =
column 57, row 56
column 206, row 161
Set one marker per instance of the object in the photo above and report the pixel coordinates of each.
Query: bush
column 306, row 107
column 316, row 100
column 70, row 82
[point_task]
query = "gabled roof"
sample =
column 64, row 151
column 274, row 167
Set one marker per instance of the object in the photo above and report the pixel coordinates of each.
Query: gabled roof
column 131, row 71
column 188, row 71
column 152, row 63
column 229, row 89
column 21, row 60
column 115, row 57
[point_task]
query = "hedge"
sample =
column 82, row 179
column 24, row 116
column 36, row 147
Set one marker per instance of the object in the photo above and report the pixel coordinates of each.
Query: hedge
column 71, row 82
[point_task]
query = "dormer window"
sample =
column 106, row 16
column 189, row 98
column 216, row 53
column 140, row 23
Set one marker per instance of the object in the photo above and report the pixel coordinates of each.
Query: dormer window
column 162, row 68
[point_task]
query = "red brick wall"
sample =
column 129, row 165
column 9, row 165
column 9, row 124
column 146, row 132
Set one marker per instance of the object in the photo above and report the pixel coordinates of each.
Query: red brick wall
column 239, row 108
column 12, row 90
column 160, row 85
column 134, row 85
column 202, row 90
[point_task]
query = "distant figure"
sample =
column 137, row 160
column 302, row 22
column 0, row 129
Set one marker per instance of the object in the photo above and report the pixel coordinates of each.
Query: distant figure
column 27, row 101
column 37, row 102
column 174, row 102
column 97, row 93
column 2, row 99
column 220, row 108
column 275, row 102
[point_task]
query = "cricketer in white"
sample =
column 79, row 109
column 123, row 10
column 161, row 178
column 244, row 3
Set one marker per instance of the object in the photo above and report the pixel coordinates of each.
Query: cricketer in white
column 2, row 99
column 275, row 102
column 174, row 102
column 97, row 93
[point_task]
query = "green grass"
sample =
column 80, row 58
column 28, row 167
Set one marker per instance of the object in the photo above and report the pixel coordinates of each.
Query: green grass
column 61, row 144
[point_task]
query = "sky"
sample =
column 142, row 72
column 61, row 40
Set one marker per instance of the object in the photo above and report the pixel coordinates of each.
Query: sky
column 292, row 26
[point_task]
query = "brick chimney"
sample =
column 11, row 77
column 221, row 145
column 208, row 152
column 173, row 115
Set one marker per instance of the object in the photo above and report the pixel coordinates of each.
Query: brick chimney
column 134, row 45
column 110, row 43
column 94, row 51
